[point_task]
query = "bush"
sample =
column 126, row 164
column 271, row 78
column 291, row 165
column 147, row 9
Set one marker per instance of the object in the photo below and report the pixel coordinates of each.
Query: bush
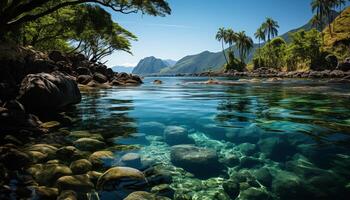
column 234, row 63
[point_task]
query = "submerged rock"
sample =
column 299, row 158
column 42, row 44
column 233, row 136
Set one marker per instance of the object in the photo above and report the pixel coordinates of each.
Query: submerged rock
column 46, row 149
column 77, row 183
column 49, row 173
column 132, row 160
column 154, row 128
column 100, row 158
column 81, row 166
column 13, row 159
column 141, row 195
column 174, row 135
column 68, row 195
column 288, row 186
column 199, row 161
column 254, row 194
column 232, row 188
column 121, row 177
column 276, row 148
column 69, row 153
column 47, row 193
column 48, row 91
column 89, row 144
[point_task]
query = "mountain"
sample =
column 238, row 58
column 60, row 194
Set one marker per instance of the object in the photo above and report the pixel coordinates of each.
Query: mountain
column 197, row 63
column 122, row 69
column 214, row 61
column 150, row 65
column 170, row 62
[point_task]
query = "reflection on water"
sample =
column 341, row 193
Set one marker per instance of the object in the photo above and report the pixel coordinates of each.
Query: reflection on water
column 284, row 140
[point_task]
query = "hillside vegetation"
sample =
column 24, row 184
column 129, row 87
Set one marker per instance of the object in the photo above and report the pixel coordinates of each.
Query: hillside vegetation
column 339, row 41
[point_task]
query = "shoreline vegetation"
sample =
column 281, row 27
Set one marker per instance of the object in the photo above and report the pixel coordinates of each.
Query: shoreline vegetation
column 323, row 48
column 51, row 51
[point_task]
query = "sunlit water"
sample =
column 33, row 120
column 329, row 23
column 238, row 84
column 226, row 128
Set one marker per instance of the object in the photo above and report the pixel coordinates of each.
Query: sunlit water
column 294, row 132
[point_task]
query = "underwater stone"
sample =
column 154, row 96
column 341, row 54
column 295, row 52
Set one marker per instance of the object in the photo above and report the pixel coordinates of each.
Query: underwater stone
column 68, row 195
column 230, row 160
column 50, row 125
column 154, row 128
column 131, row 160
column 247, row 149
column 232, row 188
column 264, row 176
column 13, row 159
column 141, row 195
column 249, row 134
column 287, row 185
column 254, row 194
column 75, row 135
column 117, row 177
column 276, row 148
column 250, row 162
column 49, row 173
column 36, row 156
column 163, row 190
column 174, row 135
column 89, row 144
column 196, row 160
column 44, row 192
column 81, row 166
column 69, row 153
column 77, row 183
column 99, row 158
column 47, row 149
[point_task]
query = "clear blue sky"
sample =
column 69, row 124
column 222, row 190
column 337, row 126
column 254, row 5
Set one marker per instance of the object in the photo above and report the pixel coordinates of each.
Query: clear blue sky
column 192, row 26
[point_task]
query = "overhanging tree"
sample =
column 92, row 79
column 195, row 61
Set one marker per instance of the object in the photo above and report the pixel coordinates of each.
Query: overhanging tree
column 17, row 12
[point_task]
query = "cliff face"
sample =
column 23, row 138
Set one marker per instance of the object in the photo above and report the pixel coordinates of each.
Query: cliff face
column 150, row 65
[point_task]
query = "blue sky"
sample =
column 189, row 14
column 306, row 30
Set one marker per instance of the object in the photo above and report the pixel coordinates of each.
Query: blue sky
column 192, row 26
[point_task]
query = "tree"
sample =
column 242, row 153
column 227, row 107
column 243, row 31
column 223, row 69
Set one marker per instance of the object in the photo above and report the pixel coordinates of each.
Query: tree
column 231, row 38
column 323, row 9
column 304, row 49
column 260, row 35
column 222, row 36
column 17, row 12
column 244, row 44
column 270, row 27
column 97, row 44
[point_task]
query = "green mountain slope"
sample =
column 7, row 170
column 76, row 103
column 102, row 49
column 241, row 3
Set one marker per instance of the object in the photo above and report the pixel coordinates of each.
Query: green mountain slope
column 339, row 41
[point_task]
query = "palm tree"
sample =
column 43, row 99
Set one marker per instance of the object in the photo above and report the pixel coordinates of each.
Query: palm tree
column 260, row 35
column 270, row 27
column 244, row 44
column 231, row 38
column 222, row 36
column 323, row 9
column 339, row 4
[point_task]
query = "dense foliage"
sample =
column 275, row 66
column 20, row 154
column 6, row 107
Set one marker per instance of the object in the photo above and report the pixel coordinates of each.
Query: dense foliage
column 239, row 40
column 83, row 26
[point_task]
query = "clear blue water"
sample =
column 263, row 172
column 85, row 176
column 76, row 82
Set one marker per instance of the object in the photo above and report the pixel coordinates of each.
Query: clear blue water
column 296, row 130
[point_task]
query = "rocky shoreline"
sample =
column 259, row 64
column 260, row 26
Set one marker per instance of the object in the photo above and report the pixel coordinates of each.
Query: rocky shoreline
column 39, row 157
column 271, row 73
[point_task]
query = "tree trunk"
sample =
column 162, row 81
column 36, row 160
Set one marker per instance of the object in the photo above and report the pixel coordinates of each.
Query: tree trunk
column 223, row 50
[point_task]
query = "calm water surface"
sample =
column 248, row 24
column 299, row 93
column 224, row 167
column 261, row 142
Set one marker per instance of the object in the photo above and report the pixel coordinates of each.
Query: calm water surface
column 279, row 140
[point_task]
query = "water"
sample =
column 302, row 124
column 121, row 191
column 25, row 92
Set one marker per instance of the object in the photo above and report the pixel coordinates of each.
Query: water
column 276, row 140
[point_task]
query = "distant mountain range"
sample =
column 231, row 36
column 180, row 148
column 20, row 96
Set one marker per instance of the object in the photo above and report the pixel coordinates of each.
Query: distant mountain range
column 152, row 65
column 215, row 60
column 122, row 69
